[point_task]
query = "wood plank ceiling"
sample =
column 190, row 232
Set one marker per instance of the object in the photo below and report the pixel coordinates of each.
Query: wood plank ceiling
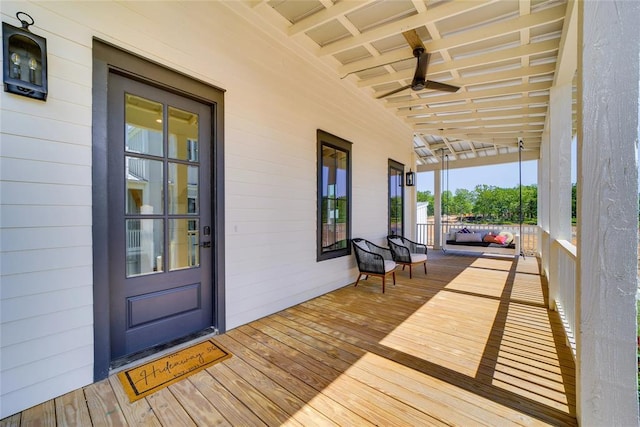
column 502, row 54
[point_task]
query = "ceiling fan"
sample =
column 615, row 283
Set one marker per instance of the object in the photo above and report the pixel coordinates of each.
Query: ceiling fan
column 420, row 81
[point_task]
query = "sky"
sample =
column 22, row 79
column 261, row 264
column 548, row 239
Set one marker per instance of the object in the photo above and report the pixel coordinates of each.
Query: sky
column 503, row 175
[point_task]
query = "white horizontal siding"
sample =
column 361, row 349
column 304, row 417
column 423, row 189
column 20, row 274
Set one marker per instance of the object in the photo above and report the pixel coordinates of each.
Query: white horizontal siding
column 35, row 282
column 275, row 101
column 46, row 320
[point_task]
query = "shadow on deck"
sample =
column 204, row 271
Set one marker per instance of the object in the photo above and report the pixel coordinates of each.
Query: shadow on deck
column 470, row 343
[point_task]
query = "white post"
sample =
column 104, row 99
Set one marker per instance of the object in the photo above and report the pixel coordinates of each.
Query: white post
column 544, row 202
column 559, row 178
column 437, row 209
column 608, row 76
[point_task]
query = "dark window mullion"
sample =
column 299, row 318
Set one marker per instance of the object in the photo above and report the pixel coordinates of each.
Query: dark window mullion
column 165, row 186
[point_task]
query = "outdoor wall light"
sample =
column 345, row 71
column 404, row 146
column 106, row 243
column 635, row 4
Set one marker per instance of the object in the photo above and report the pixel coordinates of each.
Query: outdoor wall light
column 25, row 60
column 410, row 178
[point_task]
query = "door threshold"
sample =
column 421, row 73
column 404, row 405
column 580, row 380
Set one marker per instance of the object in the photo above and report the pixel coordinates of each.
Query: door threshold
column 159, row 350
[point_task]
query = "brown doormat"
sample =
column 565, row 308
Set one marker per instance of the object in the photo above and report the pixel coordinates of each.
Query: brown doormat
column 145, row 379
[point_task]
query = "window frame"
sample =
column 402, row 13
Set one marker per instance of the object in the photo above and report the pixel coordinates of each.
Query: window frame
column 398, row 167
column 329, row 140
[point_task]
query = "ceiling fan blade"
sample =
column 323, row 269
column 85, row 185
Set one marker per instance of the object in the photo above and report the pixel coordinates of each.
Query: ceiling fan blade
column 430, row 84
column 394, row 91
column 413, row 39
column 374, row 66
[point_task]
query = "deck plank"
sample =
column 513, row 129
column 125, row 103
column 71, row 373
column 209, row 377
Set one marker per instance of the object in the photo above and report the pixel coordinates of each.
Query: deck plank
column 11, row 421
column 136, row 413
column 72, row 410
column 332, row 409
column 203, row 412
column 470, row 343
column 232, row 408
column 103, row 405
column 42, row 415
column 168, row 410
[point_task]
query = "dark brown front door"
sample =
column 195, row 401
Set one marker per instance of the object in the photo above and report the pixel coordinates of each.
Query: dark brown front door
column 159, row 204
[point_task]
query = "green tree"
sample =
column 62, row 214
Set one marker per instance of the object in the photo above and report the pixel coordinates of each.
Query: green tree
column 462, row 202
column 446, row 199
column 485, row 201
column 426, row 196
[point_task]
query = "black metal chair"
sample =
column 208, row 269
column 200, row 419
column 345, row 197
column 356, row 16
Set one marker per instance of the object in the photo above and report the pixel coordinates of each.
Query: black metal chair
column 407, row 252
column 373, row 260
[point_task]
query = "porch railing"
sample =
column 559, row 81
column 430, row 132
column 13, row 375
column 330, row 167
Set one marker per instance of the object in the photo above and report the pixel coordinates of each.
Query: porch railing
column 565, row 299
column 528, row 240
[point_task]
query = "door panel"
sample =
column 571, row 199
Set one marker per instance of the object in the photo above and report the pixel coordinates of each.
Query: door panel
column 159, row 154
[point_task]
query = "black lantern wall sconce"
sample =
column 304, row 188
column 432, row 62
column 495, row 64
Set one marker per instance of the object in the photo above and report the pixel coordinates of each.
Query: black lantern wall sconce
column 410, row 178
column 25, row 60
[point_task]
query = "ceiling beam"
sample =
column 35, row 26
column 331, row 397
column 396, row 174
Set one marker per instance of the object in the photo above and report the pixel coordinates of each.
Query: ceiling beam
column 486, row 93
column 479, row 123
column 482, row 161
column 495, row 77
column 337, row 10
column 524, row 101
column 510, row 113
column 446, row 10
column 568, row 55
column 498, row 29
column 456, row 64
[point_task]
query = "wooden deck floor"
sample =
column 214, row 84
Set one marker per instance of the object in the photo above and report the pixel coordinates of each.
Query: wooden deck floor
column 469, row 344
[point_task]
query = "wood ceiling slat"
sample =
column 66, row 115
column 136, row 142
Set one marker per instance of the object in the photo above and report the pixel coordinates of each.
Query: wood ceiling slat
column 460, row 64
column 477, row 124
column 483, row 46
column 524, row 102
column 512, row 25
column 475, row 115
column 486, row 93
column 498, row 76
column 445, row 11
column 337, row 10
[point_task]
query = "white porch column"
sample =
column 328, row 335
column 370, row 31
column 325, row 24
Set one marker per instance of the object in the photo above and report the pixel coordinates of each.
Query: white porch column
column 437, row 209
column 609, row 50
column 559, row 189
column 543, row 203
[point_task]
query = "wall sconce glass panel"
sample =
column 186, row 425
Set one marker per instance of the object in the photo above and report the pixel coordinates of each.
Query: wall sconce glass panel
column 25, row 61
column 410, row 178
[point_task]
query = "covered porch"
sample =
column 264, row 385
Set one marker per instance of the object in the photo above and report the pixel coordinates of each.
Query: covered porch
column 470, row 343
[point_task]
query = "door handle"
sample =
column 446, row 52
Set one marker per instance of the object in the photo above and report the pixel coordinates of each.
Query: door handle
column 205, row 244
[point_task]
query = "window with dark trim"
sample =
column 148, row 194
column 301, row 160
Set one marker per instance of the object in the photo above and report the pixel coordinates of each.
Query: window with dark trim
column 396, row 198
column 334, row 196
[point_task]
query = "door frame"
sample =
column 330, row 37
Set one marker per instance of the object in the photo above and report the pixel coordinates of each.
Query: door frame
column 110, row 59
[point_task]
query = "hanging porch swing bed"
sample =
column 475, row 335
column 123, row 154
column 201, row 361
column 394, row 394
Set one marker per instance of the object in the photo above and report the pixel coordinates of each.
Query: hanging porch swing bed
column 480, row 241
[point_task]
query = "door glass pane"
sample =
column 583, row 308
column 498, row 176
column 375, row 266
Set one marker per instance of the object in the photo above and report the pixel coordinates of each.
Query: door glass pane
column 183, row 135
column 145, row 242
column 145, row 194
column 183, row 189
column 143, row 119
column 184, row 243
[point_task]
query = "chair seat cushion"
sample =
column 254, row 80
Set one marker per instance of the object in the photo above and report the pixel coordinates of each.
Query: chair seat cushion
column 389, row 265
column 418, row 258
